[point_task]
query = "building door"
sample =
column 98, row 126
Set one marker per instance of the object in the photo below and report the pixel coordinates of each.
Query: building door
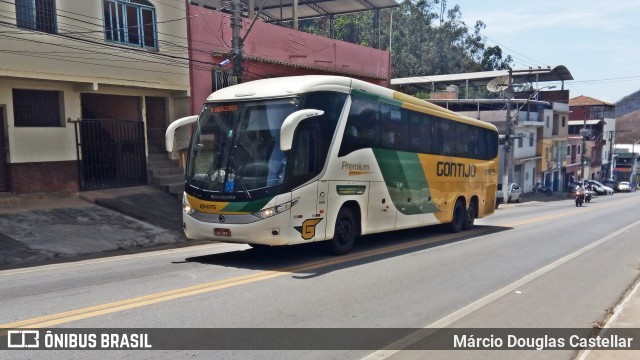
column 111, row 142
column 4, row 167
column 156, row 114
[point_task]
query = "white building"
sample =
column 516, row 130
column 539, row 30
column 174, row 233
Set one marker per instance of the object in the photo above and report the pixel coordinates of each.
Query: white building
column 119, row 64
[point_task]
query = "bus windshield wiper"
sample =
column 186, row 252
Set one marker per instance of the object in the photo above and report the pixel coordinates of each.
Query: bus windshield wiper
column 232, row 162
column 207, row 176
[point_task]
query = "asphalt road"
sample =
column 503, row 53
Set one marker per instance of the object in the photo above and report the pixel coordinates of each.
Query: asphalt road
column 532, row 265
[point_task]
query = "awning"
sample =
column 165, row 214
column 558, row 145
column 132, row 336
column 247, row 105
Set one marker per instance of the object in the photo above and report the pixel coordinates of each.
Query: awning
column 582, row 122
column 282, row 10
column 555, row 73
column 524, row 160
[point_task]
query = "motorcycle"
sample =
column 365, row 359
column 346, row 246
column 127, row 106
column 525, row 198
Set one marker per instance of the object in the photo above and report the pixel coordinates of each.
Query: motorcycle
column 538, row 187
column 580, row 197
column 587, row 195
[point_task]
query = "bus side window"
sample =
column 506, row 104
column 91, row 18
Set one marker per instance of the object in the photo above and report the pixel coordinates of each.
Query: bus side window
column 442, row 138
column 420, row 133
column 394, row 128
column 362, row 117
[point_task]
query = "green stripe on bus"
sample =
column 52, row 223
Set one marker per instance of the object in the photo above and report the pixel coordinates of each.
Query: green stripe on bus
column 404, row 176
column 247, row 206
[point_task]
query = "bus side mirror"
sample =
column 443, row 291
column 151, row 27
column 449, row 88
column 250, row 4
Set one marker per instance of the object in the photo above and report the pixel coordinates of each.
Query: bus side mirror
column 173, row 128
column 290, row 124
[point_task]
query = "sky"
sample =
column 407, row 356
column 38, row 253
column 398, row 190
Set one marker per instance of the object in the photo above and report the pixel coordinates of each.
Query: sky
column 597, row 40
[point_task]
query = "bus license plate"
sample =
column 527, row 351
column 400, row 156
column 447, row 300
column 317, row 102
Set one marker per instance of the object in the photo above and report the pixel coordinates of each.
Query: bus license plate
column 221, row 232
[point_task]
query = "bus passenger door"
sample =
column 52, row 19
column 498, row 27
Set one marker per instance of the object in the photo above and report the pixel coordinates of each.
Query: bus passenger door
column 381, row 213
column 308, row 222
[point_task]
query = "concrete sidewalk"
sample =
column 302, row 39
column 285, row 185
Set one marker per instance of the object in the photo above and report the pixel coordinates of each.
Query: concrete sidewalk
column 40, row 229
column 626, row 315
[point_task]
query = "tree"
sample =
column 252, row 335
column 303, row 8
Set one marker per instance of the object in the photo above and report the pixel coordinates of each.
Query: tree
column 426, row 39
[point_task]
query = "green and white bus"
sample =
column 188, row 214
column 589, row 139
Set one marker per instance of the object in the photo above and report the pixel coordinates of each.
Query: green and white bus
column 311, row 158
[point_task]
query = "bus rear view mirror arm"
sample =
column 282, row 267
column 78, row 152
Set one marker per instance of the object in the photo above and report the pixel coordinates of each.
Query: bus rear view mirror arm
column 169, row 136
column 291, row 123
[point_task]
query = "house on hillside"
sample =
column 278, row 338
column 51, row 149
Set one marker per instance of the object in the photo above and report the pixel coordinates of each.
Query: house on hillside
column 592, row 126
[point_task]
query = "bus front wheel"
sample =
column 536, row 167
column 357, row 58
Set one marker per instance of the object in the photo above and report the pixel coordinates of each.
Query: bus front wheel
column 457, row 221
column 345, row 232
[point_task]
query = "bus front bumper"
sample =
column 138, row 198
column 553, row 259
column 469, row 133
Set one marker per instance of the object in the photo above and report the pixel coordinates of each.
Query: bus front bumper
column 266, row 231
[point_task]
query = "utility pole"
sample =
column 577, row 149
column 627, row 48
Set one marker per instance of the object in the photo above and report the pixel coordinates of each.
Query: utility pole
column 611, row 137
column 507, row 148
column 236, row 42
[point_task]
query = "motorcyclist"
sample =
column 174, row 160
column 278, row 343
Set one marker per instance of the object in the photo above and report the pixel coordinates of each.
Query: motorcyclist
column 580, row 194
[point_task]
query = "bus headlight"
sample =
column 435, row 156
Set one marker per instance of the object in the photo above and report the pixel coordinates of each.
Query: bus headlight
column 269, row 212
column 187, row 209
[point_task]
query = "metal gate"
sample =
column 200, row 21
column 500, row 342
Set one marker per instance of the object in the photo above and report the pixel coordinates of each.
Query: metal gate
column 4, row 168
column 111, row 153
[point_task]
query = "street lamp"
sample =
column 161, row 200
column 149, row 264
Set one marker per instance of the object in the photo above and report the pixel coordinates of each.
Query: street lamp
column 634, row 174
column 584, row 132
column 544, row 87
column 535, row 94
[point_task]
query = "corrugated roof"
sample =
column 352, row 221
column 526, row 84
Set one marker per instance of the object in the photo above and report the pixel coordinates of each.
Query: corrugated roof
column 587, row 101
column 556, row 73
column 282, row 10
column 581, row 122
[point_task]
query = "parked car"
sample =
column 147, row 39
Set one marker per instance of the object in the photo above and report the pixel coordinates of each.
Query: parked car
column 610, row 183
column 514, row 193
column 624, row 186
column 600, row 188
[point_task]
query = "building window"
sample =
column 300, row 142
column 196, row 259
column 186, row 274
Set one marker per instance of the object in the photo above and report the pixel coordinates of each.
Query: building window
column 36, row 15
column 531, row 140
column 130, row 22
column 520, row 141
column 564, row 121
column 579, row 150
column 547, row 121
column 37, row 108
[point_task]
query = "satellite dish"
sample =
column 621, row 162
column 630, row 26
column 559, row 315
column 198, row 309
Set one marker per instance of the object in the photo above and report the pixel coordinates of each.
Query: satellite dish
column 498, row 84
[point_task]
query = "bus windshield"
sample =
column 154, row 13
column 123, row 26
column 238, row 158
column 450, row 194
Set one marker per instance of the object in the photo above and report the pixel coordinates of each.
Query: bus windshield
column 235, row 147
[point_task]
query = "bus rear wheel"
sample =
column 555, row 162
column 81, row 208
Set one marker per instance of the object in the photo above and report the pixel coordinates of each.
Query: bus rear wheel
column 457, row 221
column 345, row 233
column 470, row 216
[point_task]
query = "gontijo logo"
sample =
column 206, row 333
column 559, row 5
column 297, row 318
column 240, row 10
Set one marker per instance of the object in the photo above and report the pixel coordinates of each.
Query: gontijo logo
column 308, row 228
column 451, row 169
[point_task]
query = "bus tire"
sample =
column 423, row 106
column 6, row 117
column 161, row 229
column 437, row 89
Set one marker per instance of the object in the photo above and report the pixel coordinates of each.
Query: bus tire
column 457, row 221
column 345, row 233
column 469, row 216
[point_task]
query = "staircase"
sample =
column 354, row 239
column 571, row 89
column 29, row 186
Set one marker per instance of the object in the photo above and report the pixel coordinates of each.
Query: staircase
column 165, row 174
